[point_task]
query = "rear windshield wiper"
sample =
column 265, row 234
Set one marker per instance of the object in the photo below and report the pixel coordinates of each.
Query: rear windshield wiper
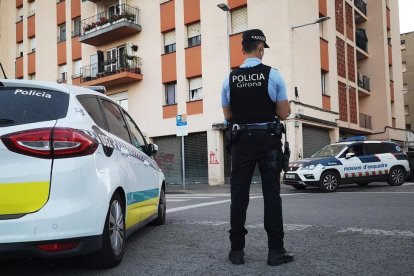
column 5, row 121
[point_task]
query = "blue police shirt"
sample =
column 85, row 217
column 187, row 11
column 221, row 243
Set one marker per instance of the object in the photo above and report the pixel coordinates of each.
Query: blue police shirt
column 276, row 87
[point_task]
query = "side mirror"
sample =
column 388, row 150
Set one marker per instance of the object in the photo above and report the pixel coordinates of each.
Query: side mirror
column 152, row 149
column 349, row 155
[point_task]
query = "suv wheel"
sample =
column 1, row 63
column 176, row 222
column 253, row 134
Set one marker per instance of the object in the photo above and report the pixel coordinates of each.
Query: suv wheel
column 396, row 176
column 329, row 182
column 113, row 238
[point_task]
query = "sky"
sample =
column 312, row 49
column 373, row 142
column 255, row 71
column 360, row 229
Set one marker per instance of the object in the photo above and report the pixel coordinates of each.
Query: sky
column 406, row 16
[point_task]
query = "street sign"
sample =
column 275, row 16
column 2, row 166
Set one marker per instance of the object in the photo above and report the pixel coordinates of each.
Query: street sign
column 182, row 125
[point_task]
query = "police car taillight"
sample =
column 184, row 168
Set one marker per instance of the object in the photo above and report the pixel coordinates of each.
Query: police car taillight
column 50, row 143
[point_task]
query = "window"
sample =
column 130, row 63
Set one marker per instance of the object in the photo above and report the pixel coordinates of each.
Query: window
column 138, row 140
column 121, row 99
column 407, row 110
column 196, row 89
column 19, row 49
column 77, row 65
column 239, row 20
column 62, row 32
column 111, row 60
column 194, row 34
column 169, row 42
column 358, row 150
column 76, row 27
column 32, row 45
column 380, row 148
column 170, row 93
column 404, row 67
column 408, row 126
column 113, row 10
column 19, row 14
column 116, row 123
column 27, row 109
column 62, row 73
column 323, row 83
column 91, row 105
column 32, row 8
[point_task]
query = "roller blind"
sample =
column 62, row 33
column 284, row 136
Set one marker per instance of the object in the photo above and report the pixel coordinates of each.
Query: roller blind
column 195, row 83
column 194, row 30
column 169, row 38
column 239, row 20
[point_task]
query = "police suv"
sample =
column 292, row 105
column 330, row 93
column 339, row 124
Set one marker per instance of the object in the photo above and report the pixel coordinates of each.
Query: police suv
column 353, row 160
column 76, row 176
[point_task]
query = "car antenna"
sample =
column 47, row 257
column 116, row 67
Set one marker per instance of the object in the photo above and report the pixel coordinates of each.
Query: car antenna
column 2, row 69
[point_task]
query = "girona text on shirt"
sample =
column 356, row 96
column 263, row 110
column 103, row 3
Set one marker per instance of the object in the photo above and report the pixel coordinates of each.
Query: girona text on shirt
column 251, row 80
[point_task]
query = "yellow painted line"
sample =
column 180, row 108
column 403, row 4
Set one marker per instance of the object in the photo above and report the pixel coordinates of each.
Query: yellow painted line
column 24, row 197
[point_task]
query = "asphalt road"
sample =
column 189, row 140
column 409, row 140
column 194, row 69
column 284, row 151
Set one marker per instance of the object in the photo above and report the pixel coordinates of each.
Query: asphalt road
column 355, row 231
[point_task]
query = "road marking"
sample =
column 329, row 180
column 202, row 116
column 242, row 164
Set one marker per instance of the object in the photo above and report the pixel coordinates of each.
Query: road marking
column 173, row 210
column 177, row 209
column 177, row 200
column 376, row 232
column 375, row 192
column 189, row 197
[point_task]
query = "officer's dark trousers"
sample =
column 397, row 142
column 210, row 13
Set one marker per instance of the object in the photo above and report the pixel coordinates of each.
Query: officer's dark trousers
column 256, row 146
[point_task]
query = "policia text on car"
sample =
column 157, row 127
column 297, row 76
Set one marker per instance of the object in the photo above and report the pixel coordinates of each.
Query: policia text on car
column 253, row 95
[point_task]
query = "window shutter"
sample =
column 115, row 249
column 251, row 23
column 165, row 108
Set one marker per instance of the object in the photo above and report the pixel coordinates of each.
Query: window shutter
column 195, row 83
column 239, row 20
column 194, row 30
column 169, row 38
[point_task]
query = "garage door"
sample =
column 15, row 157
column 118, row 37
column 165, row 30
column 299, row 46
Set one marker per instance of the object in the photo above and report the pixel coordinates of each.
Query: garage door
column 170, row 161
column 314, row 139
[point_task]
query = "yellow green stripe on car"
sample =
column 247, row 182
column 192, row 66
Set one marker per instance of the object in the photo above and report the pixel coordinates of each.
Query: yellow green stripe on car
column 140, row 205
column 23, row 197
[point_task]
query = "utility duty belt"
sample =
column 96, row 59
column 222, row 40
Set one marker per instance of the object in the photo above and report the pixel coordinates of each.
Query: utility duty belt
column 274, row 128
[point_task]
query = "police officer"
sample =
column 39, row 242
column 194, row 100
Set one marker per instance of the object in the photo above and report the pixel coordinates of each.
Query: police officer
column 253, row 95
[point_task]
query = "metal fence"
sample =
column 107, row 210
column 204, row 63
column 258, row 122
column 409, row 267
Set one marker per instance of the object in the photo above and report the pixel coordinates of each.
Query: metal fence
column 365, row 121
column 364, row 82
column 361, row 5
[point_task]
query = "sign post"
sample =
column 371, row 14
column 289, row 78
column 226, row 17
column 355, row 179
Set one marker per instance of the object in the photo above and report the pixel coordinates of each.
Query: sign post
column 182, row 131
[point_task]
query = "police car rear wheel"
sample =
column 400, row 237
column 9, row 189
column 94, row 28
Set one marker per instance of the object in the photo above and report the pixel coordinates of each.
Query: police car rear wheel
column 113, row 237
column 329, row 182
column 397, row 176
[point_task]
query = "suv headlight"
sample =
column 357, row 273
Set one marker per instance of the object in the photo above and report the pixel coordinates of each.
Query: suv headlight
column 308, row 167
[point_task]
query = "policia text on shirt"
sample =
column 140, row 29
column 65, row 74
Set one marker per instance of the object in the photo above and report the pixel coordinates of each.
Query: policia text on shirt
column 253, row 95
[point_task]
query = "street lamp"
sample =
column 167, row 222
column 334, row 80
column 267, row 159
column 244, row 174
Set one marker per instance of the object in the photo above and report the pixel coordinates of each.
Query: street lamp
column 317, row 21
column 226, row 9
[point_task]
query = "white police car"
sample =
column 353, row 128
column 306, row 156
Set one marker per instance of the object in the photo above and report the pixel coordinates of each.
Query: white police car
column 353, row 160
column 76, row 176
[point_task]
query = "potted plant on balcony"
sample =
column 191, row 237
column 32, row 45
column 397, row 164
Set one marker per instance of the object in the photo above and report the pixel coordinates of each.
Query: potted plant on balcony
column 89, row 27
column 103, row 22
column 116, row 18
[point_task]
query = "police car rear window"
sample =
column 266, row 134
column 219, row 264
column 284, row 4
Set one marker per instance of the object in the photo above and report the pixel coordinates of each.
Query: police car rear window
column 20, row 106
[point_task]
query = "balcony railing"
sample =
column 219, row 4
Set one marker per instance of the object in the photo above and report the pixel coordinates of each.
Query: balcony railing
column 364, row 82
column 361, row 5
column 108, row 67
column 108, row 18
column 361, row 39
column 365, row 121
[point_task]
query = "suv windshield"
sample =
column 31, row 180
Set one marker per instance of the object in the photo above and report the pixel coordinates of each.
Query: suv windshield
column 20, row 106
column 328, row 151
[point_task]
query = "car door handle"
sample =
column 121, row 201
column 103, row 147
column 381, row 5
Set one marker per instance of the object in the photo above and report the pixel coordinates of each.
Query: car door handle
column 146, row 163
column 125, row 152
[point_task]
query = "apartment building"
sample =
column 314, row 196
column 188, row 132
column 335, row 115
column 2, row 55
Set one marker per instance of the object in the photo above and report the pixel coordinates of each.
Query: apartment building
column 163, row 58
column 407, row 51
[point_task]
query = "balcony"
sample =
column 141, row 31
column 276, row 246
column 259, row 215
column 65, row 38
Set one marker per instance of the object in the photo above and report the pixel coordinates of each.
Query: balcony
column 364, row 82
column 365, row 121
column 362, row 44
column 110, row 25
column 361, row 6
column 112, row 72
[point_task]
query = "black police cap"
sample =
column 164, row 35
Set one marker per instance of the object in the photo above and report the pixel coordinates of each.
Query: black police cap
column 254, row 35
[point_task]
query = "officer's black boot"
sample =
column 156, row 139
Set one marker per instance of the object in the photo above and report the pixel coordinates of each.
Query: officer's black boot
column 278, row 257
column 236, row 257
